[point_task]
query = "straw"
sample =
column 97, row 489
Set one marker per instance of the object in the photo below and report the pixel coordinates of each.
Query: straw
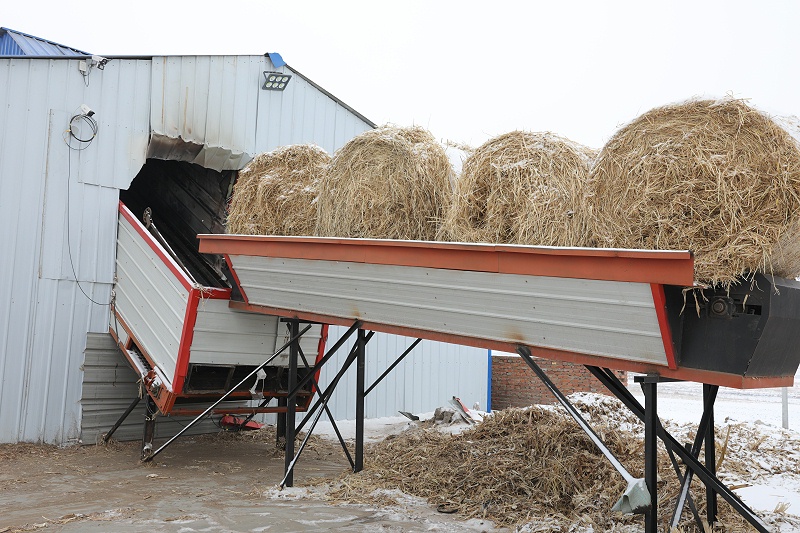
column 714, row 176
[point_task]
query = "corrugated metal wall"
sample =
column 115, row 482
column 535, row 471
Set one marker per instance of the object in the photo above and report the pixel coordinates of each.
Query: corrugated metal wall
column 427, row 378
column 44, row 315
column 57, row 208
column 109, row 386
column 303, row 114
column 211, row 101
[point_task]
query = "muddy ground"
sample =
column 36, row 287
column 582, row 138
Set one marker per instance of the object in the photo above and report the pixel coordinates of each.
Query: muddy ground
column 224, row 482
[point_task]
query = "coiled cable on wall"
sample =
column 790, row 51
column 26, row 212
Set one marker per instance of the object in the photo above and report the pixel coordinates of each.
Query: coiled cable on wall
column 79, row 122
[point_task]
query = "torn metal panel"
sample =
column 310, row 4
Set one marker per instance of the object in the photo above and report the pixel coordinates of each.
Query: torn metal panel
column 213, row 157
column 204, row 109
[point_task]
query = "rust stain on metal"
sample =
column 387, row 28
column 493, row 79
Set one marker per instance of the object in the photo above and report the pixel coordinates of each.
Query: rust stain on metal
column 513, row 333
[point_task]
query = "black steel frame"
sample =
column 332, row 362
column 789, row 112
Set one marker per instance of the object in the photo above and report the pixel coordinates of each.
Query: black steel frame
column 291, row 459
column 327, row 410
column 654, row 432
column 151, row 412
column 648, row 414
column 356, row 355
column 118, row 423
column 286, row 421
column 706, row 473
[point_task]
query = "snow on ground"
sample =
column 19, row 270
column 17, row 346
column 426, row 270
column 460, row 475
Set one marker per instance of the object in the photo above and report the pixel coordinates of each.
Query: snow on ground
column 377, row 429
column 682, row 402
column 771, row 482
column 755, row 421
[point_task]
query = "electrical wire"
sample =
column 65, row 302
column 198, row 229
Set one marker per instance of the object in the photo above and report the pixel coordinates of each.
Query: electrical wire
column 75, row 123
column 85, row 142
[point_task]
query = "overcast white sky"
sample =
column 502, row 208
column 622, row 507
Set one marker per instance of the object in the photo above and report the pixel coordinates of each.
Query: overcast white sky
column 469, row 70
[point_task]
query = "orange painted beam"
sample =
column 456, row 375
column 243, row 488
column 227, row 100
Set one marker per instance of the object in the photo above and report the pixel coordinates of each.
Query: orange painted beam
column 642, row 266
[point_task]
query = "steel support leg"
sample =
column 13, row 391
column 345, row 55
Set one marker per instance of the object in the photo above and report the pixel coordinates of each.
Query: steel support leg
column 330, row 353
column 686, row 481
column 119, row 422
column 291, row 402
column 351, row 356
column 149, row 427
column 683, row 498
column 360, row 371
column 323, row 401
column 328, row 412
column 649, row 386
column 280, row 426
column 635, row 498
column 711, row 455
column 613, row 384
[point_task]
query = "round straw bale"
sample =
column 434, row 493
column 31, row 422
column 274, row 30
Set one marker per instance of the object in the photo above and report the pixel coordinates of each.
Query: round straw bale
column 275, row 194
column 386, row 183
column 521, row 188
column 714, row 176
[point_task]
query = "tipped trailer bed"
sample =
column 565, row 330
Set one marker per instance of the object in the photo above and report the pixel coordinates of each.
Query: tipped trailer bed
column 186, row 342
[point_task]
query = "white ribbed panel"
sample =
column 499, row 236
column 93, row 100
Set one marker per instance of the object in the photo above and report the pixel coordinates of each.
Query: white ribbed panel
column 228, row 337
column 150, row 298
column 605, row 318
column 45, row 190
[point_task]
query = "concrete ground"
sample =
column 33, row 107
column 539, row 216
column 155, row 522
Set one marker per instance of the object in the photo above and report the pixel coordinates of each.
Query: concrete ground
column 213, row 483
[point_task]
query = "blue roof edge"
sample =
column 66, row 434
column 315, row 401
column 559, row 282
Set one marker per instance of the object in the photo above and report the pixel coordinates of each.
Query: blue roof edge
column 53, row 43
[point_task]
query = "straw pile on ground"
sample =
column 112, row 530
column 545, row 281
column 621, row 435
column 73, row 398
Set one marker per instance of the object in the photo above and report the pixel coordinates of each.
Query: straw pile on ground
column 717, row 177
column 275, row 193
column 519, row 466
column 522, row 188
column 386, row 183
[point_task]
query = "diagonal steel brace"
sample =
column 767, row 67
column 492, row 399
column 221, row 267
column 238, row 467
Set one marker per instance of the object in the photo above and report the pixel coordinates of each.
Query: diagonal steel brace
column 324, row 402
column 636, row 498
column 619, row 390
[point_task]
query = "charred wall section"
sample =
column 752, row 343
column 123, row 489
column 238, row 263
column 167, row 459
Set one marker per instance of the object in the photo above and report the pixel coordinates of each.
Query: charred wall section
column 185, row 200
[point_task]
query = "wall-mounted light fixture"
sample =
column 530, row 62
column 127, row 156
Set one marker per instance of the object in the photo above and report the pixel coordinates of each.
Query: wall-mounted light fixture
column 275, row 81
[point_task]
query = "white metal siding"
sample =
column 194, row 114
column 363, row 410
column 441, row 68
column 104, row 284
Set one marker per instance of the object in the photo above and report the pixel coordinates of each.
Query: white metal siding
column 228, row 337
column 303, row 114
column 110, row 385
column 150, row 298
column 44, row 315
column 211, row 101
column 218, row 102
column 605, row 318
column 427, row 378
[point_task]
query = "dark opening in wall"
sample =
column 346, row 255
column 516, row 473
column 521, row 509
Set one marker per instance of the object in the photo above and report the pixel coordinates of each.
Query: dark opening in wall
column 185, row 200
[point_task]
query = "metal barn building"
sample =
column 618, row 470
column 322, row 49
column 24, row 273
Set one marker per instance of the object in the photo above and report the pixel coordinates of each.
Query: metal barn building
column 62, row 378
